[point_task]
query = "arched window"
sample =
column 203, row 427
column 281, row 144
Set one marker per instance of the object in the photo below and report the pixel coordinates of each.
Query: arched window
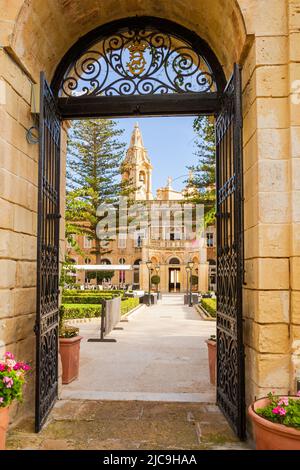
column 174, row 261
column 134, row 57
column 142, row 177
column 136, row 273
column 87, row 261
column 105, row 261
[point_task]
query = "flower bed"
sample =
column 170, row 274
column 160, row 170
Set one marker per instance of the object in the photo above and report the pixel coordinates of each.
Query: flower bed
column 282, row 410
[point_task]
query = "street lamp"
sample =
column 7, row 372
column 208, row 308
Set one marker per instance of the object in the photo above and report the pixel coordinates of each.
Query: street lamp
column 191, row 265
column 149, row 266
column 157, row 269
column 188, row 272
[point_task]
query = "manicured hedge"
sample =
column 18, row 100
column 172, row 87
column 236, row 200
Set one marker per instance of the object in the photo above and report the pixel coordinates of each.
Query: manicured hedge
column 129, row 304
column 89, row 310
column 85, row 299
column 92, row 292
column 80, row 311
column 210, row 305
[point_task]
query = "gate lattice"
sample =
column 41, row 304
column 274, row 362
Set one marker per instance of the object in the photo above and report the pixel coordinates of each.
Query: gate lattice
column 46, row 327
column 230, row 270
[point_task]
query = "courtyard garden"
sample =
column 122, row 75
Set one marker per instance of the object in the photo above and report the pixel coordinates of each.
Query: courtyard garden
column 87, row 304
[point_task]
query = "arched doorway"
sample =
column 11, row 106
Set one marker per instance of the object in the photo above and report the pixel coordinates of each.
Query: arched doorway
column 136, row 274
column 145, row 66
column 174, row 275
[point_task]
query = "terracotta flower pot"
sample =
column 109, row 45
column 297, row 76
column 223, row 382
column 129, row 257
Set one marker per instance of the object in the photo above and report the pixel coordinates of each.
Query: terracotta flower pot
column 272, row 436
column 4, row 420
column 212, row 354
column 69, row 349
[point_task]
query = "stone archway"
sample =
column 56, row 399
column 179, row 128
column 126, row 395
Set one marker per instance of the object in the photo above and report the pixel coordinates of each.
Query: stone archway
column 176, row 72
column 35, row 35
column 56, row 26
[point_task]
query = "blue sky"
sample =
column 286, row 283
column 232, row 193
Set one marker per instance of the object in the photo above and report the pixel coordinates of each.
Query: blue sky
column 170, row 145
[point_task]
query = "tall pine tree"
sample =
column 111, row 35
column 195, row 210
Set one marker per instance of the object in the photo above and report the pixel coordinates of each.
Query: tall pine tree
column 93, row 176
column 203, row 174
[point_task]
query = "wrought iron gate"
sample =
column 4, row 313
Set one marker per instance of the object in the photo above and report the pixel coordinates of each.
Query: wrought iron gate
column 46, row 327
column 230, row 270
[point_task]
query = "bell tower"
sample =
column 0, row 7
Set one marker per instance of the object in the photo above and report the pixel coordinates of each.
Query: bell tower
column 138, row 169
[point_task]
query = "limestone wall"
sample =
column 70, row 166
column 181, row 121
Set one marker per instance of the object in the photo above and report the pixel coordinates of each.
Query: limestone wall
column 294, row 167
column 270, row 137
column 18, row 215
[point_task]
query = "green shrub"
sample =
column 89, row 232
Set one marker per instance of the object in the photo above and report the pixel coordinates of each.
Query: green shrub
column 81, row 311
column 155, row 280
column 85, row 299
column 66, row 331
column 67, row 292
column 210, row 305
column 129, row 304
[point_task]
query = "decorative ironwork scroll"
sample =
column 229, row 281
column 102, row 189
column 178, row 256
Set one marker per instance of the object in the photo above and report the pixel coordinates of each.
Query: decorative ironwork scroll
column 138, row 61
column 46, row 327
column 230, row 352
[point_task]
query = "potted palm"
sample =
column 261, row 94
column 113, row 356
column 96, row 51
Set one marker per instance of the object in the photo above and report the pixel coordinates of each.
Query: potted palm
column 276, row 421
column 69, row 348
column 212, row 355
column 12, row 379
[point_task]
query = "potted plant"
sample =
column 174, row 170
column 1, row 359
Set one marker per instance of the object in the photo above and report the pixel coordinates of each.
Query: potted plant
column 212, row 354
column 155, row 280
column 69, row 348
column 276, row 421
column 12, row 379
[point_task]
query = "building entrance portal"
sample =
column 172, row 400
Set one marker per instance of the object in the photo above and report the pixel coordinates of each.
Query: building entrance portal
column 145, row 66
column 174, row 279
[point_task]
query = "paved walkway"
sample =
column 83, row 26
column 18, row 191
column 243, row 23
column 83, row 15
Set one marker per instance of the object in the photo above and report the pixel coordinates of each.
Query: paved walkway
column 128, row 425
column 160, row 355
column 150, row 390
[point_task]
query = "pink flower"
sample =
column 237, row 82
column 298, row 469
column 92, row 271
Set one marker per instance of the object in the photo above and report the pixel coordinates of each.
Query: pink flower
column 22, row 366
column 283, row 401
column 10, row 363
column 279, row 411
column 2, row 367
column 298, row 393
column 9, row 355
column 1, row 400
column 8, row 381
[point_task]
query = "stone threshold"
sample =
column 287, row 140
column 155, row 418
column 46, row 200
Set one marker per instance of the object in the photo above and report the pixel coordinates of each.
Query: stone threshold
column 202, row 397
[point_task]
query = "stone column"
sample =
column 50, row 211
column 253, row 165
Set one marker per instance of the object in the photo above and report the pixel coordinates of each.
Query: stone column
column 294, row 102
column 267, row 203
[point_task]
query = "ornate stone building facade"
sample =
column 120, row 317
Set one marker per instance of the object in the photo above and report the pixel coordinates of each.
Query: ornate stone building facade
column 169, row 252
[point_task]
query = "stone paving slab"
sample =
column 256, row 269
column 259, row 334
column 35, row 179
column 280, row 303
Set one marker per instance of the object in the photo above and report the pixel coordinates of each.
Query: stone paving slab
column 130, row 425
column 160, row 355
